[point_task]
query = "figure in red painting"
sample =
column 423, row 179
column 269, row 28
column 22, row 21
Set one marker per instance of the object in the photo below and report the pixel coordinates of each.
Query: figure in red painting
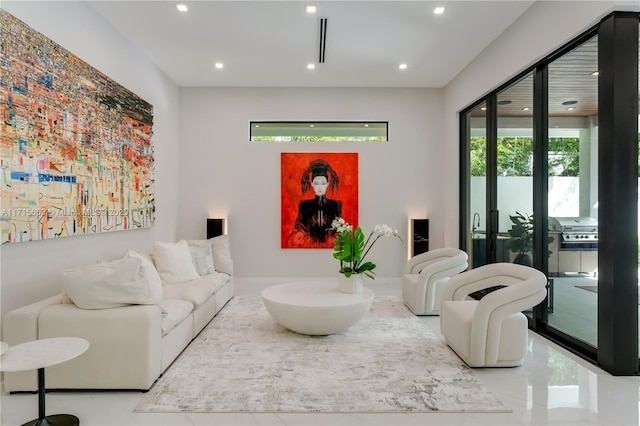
column 313, row 223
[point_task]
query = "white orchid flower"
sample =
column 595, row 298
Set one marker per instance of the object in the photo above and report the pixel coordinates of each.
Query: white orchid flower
column 352, row 260
column 340, row 225
column 385, row 230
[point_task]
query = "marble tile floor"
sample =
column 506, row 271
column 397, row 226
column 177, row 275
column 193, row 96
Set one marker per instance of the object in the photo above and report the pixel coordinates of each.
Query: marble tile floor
column 554, row 387
column 576, row 310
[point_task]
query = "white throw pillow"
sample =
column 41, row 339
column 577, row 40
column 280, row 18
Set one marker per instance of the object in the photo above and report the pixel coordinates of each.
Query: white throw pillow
column 222, row 261
column 107, row 285
column 150, row 273
column 173, row 262
column 202, row 257
column 221, row 254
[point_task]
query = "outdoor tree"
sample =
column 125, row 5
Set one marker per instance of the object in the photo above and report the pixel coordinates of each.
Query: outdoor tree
column 515, row 156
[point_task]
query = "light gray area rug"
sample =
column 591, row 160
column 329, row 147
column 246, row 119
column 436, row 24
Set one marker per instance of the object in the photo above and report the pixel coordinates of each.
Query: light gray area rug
column 390, row 361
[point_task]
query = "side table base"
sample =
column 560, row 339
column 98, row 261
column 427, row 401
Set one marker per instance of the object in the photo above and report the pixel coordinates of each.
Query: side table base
column 55, row 420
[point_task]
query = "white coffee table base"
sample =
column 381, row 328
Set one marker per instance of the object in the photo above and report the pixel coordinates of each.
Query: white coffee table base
column 316, row 308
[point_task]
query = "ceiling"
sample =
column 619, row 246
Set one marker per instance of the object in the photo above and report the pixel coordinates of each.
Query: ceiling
column 269, row 43
column 573, row 87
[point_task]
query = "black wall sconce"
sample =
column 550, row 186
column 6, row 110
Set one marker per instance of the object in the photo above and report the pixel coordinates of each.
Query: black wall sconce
column 215, row 227
column 419, row 236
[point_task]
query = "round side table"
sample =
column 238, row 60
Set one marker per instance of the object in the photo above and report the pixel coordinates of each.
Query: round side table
column 39, row 354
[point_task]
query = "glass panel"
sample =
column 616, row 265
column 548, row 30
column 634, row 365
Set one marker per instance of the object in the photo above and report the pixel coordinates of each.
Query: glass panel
column 318, row 131
column 478, row 186
column 573, row 192
column 515, row 173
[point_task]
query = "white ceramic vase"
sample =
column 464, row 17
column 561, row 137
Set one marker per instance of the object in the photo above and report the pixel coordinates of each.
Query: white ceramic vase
column 353, row 284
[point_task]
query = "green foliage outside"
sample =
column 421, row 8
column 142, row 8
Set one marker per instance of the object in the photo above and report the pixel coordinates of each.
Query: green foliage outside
column 515, row 156
column 564, row 156
column 521, row 234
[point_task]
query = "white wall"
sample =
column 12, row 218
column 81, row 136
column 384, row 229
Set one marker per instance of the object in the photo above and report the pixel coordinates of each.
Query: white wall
column 206, row 166
column 544, row 27
column 223, row 174
column 30, row 271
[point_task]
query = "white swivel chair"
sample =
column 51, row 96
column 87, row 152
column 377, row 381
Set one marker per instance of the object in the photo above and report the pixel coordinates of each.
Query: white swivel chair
column 424, row 275
column 492, row 331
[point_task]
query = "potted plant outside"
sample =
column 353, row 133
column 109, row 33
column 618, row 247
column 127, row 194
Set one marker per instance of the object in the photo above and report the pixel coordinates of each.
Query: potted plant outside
column 521, row 238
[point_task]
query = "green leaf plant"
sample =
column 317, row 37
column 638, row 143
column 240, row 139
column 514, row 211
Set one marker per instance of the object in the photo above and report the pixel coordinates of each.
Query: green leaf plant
column 521, row 234
column 350, row 247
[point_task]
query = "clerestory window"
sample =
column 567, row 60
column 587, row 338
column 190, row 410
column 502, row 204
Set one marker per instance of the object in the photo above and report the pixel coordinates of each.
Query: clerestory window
column 319, row 131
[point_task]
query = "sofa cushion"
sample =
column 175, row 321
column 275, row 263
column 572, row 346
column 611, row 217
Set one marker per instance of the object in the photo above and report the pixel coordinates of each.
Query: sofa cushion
column 107, row 285
column 150, row 273
column 217, row 279
column 173, row 262
column 221, row 254
column 196, row 292
column 202, row 257
column 176, row 312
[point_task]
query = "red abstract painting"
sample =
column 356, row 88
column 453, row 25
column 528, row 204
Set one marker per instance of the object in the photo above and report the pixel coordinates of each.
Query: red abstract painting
column 317, row 188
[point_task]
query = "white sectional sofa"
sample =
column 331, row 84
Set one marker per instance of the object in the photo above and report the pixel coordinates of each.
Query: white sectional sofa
column 131, row 344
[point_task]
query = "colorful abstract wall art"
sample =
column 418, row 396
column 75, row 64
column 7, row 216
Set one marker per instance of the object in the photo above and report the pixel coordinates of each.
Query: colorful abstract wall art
column 76, row 151
column 316, row 189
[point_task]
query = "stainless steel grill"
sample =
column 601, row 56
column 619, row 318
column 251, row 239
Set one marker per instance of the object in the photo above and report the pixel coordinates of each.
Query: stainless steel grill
column 576, row 233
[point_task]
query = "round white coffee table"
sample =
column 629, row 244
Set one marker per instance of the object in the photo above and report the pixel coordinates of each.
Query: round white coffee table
column 316, row 308
column 38, row 354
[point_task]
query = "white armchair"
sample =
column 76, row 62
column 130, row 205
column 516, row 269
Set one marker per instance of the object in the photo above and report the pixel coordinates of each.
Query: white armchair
column 491, row 332
column 425, row 274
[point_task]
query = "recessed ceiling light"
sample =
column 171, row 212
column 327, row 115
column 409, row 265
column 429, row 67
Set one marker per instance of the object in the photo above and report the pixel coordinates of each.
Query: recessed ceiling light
column 219, row 65
column 595, row 73
column 311, row 66
column 483, row 109
column 182, row 7
column 402, row 66
column 312, row 125
column 526, row 109
column 438, row 10
column 366, row 125
column 571, row 108
column 311, row 9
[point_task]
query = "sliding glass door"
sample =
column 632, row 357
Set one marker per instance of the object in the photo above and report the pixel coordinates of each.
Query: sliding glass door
column 552, row 163
column 477, row 218
column 499, row 180
column 573, row 192
column 514, row 172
